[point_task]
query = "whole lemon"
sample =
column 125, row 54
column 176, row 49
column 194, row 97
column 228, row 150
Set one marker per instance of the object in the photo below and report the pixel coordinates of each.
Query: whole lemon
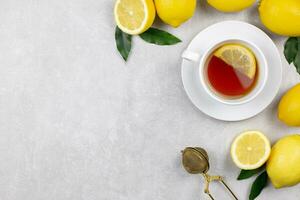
column 175, row 12
column 230, row 5
column 281, row 17
column 283, row 166
column 289, row 107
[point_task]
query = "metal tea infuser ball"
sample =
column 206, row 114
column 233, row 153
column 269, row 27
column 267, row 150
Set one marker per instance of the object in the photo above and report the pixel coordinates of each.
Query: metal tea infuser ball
column 195, row 161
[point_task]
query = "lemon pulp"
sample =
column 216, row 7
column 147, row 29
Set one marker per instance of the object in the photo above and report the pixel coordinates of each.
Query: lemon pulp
column 250, row 150
column 239, row 57
column 134, row 16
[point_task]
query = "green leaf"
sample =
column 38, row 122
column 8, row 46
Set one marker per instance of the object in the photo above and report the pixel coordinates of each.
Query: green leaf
column 258, row 185
column 123, row 42
column 159, row 37
column 297, row 58
column 244, row 174
column 291, row 49
column 297, row 62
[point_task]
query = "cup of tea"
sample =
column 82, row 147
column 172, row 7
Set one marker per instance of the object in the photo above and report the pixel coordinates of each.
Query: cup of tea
column 232, row 71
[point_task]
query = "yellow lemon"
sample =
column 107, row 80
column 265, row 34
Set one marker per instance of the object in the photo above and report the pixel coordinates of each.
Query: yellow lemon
column 134, row 16
column 230, row 5
column 289, row 107
column 281, row 16
column 175, row 12
column 250, row 150
column 239, row 57
column 283, row 166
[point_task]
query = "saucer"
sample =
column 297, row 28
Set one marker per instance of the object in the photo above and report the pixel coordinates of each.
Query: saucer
column 225, row 31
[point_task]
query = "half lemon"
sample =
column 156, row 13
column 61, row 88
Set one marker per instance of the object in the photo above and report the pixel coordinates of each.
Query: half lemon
column 239, row 57
column 134, row 16
column 250, row 150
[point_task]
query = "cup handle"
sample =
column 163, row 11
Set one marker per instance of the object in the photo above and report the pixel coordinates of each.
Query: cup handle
column 191, row 56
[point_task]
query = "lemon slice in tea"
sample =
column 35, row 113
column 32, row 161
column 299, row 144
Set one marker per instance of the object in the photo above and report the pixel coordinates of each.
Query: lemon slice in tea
column 250, row 150
column 239, row 57
column 134, row 16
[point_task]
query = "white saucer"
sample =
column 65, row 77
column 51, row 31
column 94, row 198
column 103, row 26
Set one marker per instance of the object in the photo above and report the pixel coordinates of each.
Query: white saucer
column 228, row 30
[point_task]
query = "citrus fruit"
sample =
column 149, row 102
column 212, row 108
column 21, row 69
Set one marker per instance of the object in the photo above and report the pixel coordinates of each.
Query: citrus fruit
column 281, row 17
column 250, row 150
column 175, row 12
column 134, row 16
column 239, row 57
column 289, row 107
column 283, row 166
column 230, row 5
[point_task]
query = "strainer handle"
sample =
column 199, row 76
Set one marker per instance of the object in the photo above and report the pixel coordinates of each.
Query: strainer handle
column 209, row 179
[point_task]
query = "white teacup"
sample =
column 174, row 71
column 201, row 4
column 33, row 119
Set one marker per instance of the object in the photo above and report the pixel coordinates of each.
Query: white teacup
column 202, row 61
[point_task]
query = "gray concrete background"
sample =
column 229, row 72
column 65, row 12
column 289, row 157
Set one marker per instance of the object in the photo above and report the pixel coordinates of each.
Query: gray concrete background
column 76, row 122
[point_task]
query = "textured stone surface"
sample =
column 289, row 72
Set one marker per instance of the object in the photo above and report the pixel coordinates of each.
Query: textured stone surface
column 76, row 122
